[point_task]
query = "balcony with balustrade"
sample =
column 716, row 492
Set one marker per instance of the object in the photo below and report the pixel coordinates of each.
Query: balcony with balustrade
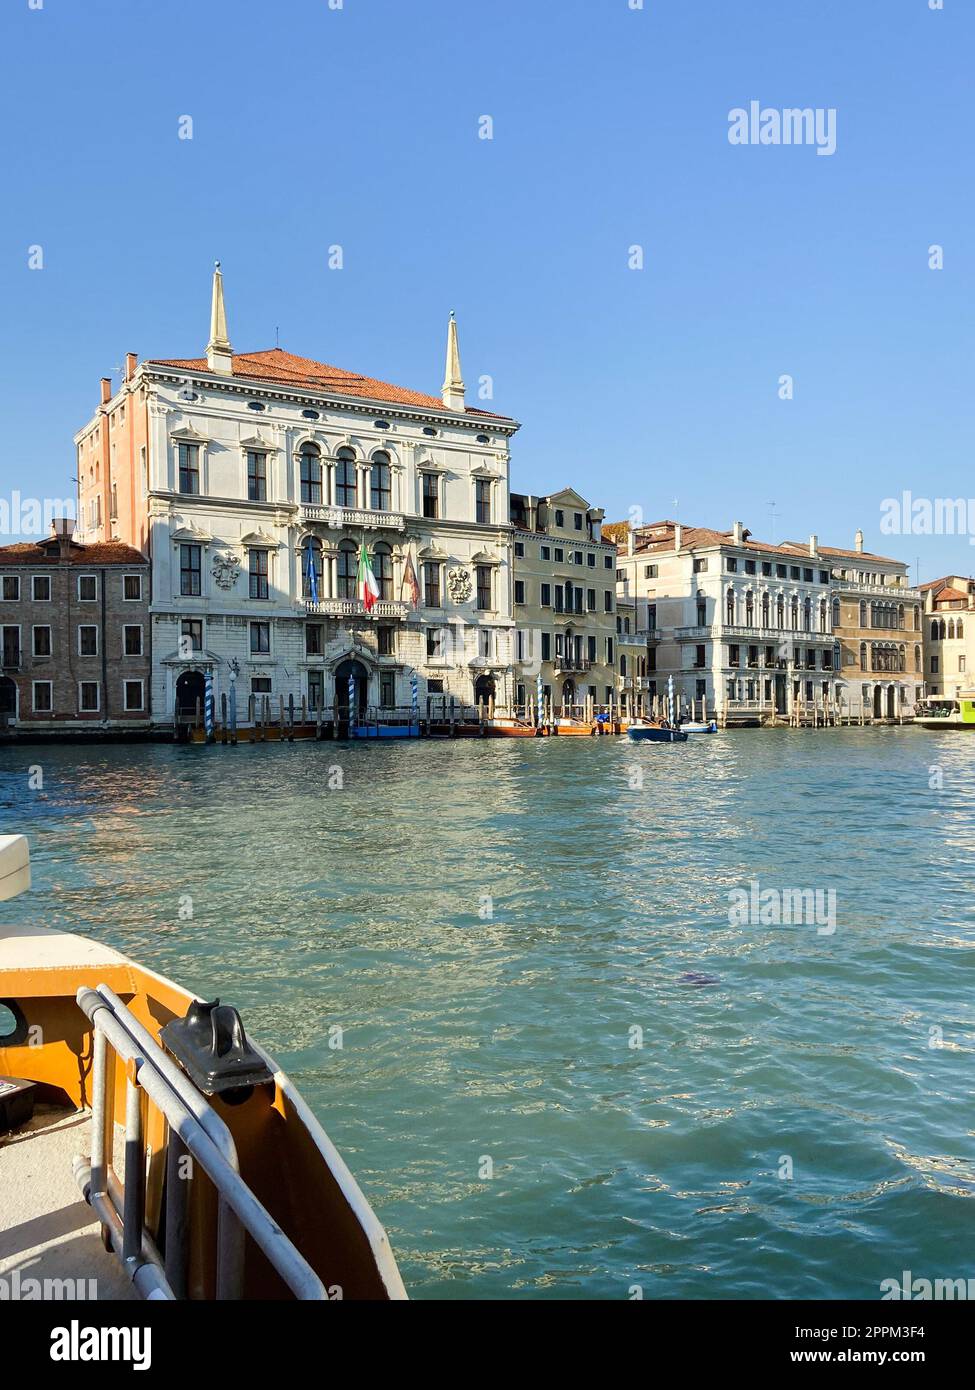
column 353, row 608
column 339, row 518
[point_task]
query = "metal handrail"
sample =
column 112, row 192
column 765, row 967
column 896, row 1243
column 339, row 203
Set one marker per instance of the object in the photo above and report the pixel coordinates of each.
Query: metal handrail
column 199, row 1131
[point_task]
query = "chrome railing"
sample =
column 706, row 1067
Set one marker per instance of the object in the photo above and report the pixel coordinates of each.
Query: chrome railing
column 194, row 1129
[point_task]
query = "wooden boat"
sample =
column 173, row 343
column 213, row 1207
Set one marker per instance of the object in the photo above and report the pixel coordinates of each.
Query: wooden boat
column 203, row 1168
column 656, row 732
column 574, row 728
column 512, row 728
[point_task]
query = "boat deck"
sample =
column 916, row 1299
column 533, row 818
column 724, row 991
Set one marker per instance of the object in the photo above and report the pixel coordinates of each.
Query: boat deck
column 47, row 1230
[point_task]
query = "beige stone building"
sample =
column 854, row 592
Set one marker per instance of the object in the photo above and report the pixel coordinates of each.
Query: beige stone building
column 949, row 634
column 564, row 602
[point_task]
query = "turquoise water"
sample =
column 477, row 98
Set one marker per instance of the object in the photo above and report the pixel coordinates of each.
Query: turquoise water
column 469, row 1037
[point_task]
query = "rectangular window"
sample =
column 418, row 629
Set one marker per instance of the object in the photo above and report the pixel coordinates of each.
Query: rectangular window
column 577, row 520
column 546, row 599
column 608, row 601
column 732, row 564
column 824, row 576
column 578, row 600
column 260, row 685
column 87, row 640
column 546, row 646
column 650, row 571
column 733, row 655
column 749, row 566
column 260, row 639
column 609, row 651
column 807, row 576
column 699, row 657
column 591, row 559
column 43, row 699
column 608, row 562
column 591, row 647
column 258, row 574
column 577, row 557
column 433, row 643
column 41, row 588
column 559, row 598
column 133, row 697
column 87, row 588
column 316, row 690
column 132, row 588
column 590, row 600
column 190, row 570
column 519, row 591
column 560, row 518
column 189, row 468
column 88, row 697
column 313, row 639
column 484, row 597
column 132, row 639
column 780, row 571
column 961, row 664
column 482, row 496
column 190, row 636
column 700, row 564
column 559, row 555
column 11, row 588
column 545, row 552
column 42, row 641
column 256, row 477
column 519, row 549
column 387, row 689
column 431, row 584
column 384, row 641
column 431, row 495
column 767, row 568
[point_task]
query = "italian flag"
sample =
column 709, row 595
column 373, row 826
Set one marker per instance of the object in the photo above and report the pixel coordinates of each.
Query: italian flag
column 366, row 581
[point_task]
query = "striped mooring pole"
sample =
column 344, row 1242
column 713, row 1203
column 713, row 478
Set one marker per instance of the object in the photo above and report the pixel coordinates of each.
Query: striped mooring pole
column 208, row 706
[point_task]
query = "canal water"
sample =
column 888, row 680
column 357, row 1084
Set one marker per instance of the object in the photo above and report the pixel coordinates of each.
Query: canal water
column 570, row 1066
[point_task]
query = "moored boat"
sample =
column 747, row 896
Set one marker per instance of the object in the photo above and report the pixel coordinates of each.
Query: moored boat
column 203, row 1168
column 512, row 728
column 943, row 712
column 697, row 726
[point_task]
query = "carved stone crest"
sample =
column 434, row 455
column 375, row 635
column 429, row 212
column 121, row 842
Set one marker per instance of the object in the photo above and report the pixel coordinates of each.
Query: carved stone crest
column 459, row 584
column 225, row 569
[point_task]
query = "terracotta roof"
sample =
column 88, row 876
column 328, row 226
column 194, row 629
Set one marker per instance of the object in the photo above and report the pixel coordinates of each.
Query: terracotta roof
column 699, row 537
column 104, row 553
column 947, row 595
column 939, row 584
column 287, row 369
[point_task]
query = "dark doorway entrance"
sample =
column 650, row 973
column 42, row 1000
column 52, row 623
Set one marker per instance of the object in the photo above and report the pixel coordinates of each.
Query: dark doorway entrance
column 8, row 698
column 878, row 702
column 358, row 673
column 190, row 687
column 483, row 690
column 568, row 692
column 781, row 703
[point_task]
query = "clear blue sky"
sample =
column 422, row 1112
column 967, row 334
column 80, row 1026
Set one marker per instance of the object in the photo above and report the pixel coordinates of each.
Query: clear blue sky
column 359, row 127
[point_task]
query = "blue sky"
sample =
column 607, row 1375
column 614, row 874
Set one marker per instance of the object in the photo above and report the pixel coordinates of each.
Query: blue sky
column 359, row 127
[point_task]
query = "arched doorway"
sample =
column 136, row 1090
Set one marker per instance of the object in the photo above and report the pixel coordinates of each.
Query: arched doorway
column 891, row 702
column 190, row 687
column 568, row 692
column 483, row 690
column 8, row 698
column 878, row 702
column 354, row 670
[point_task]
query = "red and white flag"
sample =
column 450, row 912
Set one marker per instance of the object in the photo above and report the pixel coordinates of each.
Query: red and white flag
column 411, row 584
column 366, row 583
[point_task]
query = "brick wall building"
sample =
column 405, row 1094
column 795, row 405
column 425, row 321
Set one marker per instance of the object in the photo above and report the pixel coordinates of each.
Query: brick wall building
column 74, row 623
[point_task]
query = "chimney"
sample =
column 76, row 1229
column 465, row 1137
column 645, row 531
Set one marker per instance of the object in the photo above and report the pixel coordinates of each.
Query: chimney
column 106, row 389
column 630, row 541
column 131, row 359
column 678, row 535
column 858, row 541
column 64, row 529
column 739, row 532
column 813, row 544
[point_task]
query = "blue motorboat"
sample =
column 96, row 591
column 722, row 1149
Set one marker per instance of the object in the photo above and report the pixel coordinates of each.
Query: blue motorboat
column 661, row 732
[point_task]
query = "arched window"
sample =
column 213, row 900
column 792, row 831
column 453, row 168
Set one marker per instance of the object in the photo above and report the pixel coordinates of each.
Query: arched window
column 807, row 615
column 900, row 615
column 917, row 658
column 765, row 610
column 750, row 609
column 382, row 568
column 313, row 548
column 623, row 667
column 917, row 619
column 780, row 612
column 959, row 628
column 836, row 613
column 863, row 613
column 345, row 479
column 951, row 629
column 730, row 607
column 311, row 475
column 794, row 612
column 380, row 484
column 902, row 659
column 863, row 656
column 346, row 570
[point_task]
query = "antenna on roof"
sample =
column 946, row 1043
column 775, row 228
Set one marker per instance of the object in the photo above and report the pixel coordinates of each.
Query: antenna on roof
column 677, row 509
column 277, row 340
column 772, row 514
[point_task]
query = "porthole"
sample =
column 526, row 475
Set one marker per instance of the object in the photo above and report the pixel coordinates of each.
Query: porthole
column 428, row 429
column 310, row 415
column 484, row 439
column 380, row 424
column 255, row 405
